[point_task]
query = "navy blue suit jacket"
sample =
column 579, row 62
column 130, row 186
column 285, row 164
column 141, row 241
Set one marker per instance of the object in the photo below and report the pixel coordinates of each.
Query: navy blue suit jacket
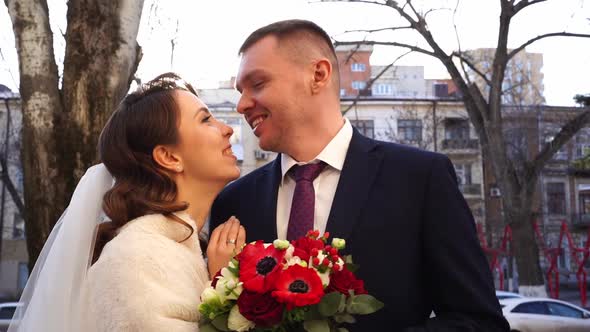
column 406, row 225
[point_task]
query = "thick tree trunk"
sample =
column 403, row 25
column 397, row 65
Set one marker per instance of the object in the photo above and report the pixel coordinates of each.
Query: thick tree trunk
column 60, row 128
column 518, row 209
column 526, row 251
column 101, row 58
column 41, row 101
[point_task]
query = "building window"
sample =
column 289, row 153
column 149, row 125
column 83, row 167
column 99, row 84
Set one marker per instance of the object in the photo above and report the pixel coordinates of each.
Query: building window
column 358, row 85
column 365, row 127
column 342, row 92
column 409, row 130
column 456, row 129
column 556, row 198
column 561, row 154
column 463, row 172
column 382, row 90
column 584, row 202
column 582, row 150
column 357, row 67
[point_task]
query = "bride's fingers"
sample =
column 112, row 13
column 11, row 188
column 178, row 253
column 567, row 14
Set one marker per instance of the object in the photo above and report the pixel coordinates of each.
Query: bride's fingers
column 232, row 233
column 223, row 233
column 215, row 235
column 241, row 238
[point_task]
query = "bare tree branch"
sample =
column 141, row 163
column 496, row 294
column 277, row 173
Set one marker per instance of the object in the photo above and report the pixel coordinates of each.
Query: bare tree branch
column 361, row 1
column 374, row 42
column 11, row 188
column 564, row 135
column 553, row 34
column 378, row 30
column 432, row 10
column 409, row 2
column 472, row 66
column 523, row 4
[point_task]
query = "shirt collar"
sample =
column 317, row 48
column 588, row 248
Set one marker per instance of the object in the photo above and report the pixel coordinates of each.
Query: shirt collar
column 333, row 154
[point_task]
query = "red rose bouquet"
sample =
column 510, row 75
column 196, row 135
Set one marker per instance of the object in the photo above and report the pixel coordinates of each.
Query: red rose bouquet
column 304, row 285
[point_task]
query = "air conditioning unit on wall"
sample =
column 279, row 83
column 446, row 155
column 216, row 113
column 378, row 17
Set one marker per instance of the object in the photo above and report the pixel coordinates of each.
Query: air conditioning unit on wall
column 495, row 192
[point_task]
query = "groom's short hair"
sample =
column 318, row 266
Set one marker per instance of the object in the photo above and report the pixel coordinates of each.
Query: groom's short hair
column 298, row 36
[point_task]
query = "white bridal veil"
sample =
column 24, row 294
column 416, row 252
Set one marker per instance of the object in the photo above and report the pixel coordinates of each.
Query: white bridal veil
column 51, row 298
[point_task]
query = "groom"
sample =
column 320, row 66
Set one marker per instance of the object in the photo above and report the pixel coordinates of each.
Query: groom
column 404, row 220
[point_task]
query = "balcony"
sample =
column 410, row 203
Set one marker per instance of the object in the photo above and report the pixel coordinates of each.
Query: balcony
column 580, row 167
column 581, row 219
column 470, row 189
column 460, row 144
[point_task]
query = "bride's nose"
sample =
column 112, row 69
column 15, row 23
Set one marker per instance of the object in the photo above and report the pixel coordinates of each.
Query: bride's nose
column 227, row 130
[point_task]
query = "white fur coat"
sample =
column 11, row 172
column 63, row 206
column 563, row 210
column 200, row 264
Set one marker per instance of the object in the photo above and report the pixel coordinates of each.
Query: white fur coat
column 146, row 279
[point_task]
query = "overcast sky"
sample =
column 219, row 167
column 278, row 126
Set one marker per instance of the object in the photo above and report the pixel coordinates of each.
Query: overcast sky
column 211, row 31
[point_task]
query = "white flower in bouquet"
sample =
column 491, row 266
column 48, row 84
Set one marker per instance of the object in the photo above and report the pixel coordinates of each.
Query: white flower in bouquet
column 210, row 296
column 237, row 322
column 228, row 285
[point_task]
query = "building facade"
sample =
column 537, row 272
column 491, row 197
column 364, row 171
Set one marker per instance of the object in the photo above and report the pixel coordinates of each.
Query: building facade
column 13, row 255
column 523, row 81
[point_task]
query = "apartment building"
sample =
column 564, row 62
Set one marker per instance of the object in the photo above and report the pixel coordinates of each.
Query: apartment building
column 523, row 81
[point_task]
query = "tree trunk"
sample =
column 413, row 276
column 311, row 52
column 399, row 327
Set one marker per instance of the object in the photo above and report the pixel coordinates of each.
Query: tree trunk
column 519, row 215
column 101, row 58
column 44, row 192
column 526, row 251
column 60, row 128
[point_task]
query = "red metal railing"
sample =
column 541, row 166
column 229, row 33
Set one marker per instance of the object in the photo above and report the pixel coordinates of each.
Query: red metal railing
column 580, row 256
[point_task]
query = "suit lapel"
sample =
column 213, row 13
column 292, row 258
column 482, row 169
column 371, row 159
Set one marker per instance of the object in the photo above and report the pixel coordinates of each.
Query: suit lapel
column 356, row 179
column 267, row 188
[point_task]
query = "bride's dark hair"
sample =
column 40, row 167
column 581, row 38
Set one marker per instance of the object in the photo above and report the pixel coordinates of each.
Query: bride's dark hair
column 144, row 119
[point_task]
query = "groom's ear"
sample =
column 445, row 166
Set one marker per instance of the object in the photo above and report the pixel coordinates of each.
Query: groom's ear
column 322, row 73
column 166, row 158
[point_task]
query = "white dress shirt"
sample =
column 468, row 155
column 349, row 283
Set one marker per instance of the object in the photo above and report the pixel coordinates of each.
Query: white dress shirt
column 324, row 185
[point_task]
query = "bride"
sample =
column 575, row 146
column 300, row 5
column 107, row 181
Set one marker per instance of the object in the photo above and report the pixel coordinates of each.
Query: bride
column 126, row 255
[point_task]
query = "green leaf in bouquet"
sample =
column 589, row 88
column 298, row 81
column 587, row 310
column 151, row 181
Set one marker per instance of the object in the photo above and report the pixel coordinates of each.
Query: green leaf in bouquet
column 341, row 329
column 330, row 303
column 234, row 267
column 344, row 318
column 312, row 312
column 220, row 323
column 316, row 326
column 208, row 327
column 350, row 266
column 363, row 304
column 295, row 315
column 342, row 304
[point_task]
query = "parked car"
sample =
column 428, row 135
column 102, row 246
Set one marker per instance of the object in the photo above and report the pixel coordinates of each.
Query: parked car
column 544, row 315
column 7, row 310
column 501, row 295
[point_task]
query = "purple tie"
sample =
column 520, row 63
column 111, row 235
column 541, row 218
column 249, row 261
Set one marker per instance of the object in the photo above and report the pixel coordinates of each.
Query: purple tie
column 302, row 208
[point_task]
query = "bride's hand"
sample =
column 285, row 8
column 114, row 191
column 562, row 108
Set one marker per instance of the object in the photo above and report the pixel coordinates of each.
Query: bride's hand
column 226, row 240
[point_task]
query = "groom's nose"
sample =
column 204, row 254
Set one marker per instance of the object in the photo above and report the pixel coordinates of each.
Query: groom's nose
column 245, row 103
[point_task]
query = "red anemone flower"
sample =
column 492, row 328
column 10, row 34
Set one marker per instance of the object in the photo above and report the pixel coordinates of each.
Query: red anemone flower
column 260, row 267
column 299, row 286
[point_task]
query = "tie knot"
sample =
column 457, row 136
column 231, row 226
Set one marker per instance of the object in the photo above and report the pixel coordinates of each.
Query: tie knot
column 307, row 172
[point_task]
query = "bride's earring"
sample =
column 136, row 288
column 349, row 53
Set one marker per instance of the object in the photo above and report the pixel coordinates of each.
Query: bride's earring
column 179, row 168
